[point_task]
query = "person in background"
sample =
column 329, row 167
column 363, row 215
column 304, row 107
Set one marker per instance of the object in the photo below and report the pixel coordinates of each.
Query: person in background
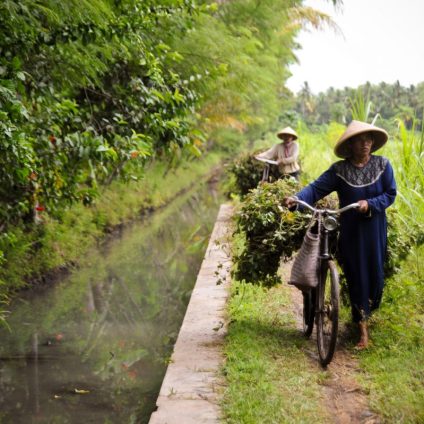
column 285, row 153
column 368, row 180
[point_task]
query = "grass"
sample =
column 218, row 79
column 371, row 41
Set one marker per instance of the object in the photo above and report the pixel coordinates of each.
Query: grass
column 394, row 366
column 270, row 378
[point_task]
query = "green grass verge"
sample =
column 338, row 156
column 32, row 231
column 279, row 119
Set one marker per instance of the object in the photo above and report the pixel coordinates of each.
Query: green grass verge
column 394, row 365
column 270, row 378
column 62, row 241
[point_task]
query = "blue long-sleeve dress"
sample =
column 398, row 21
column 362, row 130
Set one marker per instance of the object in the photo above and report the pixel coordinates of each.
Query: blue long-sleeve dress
column 363, row 237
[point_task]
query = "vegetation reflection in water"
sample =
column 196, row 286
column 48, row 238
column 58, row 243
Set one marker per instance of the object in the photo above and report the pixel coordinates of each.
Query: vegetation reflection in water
column 94, row 348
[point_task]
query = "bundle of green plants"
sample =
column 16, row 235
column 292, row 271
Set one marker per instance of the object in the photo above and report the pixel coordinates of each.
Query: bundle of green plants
column 246, row 173
column 266, row 231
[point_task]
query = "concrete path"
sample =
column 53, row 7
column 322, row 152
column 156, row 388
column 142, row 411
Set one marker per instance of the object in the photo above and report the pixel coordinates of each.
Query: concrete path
column 190, row 389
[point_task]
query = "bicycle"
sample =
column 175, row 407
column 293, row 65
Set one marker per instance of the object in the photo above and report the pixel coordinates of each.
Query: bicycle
column 321, row 304
column 266, row 171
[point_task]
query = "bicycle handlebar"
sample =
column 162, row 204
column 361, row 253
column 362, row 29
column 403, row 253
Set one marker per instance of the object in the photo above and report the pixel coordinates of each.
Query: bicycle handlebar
column 329, row 211
column 267, row 161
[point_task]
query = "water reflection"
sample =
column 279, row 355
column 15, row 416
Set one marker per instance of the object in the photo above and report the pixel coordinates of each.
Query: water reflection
column 93, row 348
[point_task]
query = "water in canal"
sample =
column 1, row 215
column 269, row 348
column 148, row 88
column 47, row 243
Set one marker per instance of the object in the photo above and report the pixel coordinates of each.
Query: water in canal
column 94, row 347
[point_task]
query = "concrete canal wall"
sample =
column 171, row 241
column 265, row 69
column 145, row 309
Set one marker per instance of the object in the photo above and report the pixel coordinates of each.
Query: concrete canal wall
column 191, row 387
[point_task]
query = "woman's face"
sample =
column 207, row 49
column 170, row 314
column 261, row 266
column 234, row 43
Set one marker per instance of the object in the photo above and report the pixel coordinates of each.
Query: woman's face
column 287, row 138
column 362, row 145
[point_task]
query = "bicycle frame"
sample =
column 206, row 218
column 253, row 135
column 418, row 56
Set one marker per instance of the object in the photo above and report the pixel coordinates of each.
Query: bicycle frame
column 320, row 305
column 267, row 167
column 265, row 174
column 324, row 253
column 325, row 231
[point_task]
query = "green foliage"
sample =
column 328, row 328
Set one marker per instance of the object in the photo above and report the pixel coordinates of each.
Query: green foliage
column 239, row 63
column 406, row 228
column 389, row 101
column 228, row 140
column 401, row 237
column 268, row 230
column 90, row 90
column 394, row 366
column 246, row 172
column 316, row 149
column 407, row 151
column 85, row 97
column 410, row 147
column 360, row 107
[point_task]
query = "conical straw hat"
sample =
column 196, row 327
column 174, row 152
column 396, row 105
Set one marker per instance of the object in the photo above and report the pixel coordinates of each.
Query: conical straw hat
column 287, row 130
column 380, row 137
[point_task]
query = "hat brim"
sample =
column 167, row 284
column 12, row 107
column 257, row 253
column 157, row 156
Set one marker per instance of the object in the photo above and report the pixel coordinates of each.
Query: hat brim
column 282, row 134
column 380, row 137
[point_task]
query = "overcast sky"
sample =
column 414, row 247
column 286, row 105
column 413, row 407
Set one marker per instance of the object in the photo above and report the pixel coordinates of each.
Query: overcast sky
column 383, row 41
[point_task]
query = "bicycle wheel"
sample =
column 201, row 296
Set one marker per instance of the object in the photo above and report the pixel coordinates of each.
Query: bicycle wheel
column 308, row 311
column 328, row 312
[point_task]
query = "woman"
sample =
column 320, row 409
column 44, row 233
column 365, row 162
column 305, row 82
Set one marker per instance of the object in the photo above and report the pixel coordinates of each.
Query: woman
column 285, row 153
column 368, row 180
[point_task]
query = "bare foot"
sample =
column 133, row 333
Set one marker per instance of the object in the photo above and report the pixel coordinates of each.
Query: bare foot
column 363, row 340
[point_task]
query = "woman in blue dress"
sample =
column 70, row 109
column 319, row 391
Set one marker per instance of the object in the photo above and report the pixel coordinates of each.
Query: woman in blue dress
column 368, row 180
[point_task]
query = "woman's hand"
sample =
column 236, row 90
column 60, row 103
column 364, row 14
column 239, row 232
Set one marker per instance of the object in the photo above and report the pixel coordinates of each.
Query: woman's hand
column 363, row 206
column 289, row 202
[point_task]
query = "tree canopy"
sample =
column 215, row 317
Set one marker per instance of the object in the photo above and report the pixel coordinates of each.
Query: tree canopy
column 90, row 89
column 390, row 101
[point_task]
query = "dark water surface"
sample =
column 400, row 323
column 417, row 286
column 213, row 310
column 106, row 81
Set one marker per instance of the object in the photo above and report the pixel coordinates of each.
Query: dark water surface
column 94, row 347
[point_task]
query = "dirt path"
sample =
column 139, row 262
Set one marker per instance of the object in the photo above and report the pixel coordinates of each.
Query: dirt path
column 346, row 401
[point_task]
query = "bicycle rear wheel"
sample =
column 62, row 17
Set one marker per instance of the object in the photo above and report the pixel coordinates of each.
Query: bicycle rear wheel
column 308, row 311
column 328, row 312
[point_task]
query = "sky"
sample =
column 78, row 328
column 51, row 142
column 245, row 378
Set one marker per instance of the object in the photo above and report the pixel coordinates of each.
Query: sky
column 383, row 40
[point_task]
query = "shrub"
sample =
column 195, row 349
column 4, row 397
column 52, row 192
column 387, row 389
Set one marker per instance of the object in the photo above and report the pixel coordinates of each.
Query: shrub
column 246, row 173
column 401, row 237
column 268, row 232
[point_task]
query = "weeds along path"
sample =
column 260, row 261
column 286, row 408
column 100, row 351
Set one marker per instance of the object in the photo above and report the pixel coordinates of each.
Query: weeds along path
column 343, row 396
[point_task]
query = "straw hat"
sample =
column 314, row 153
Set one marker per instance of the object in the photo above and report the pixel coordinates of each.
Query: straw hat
column 380, row 137
column 288, row 131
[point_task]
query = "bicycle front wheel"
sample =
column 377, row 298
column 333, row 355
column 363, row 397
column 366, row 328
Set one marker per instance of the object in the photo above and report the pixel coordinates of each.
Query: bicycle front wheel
column 328, row 312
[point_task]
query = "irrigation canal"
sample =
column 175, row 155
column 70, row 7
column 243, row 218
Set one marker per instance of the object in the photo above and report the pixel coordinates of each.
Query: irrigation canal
column 93, row 348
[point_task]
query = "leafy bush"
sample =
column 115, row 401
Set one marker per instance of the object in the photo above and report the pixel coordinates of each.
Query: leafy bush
column 90, row 89
column 400, row 241
column 246, row 173
column 85, row 98
column 268, row 230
